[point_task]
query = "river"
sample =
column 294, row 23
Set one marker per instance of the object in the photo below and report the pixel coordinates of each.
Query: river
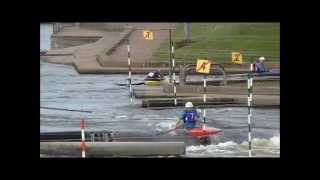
column 62, row 87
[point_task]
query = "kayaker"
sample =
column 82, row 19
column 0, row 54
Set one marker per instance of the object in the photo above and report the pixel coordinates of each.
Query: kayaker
column 190, row 117
column 259, row 65
column 154, row 74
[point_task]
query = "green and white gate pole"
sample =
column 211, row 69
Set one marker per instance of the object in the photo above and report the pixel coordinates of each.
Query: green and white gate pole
column 129, row 65
column 250, row 82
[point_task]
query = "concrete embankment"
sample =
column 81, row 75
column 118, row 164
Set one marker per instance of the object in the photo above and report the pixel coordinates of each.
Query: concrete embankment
column 102, row 149
column 85, row 57
column 105, row 51
column 166, row 91
column 217, row 96
column 222, row 89
column 260, row 101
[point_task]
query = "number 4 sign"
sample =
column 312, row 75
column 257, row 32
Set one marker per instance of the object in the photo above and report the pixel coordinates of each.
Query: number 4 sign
column 148, row 35
column 237, row 57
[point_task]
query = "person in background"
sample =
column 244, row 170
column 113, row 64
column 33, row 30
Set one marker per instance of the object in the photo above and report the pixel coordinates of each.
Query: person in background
column 260, row 66
column 154, row 74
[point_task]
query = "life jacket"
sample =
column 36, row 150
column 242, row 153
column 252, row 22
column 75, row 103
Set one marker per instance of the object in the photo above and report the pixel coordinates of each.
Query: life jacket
column 260, row 67
column 189, row 118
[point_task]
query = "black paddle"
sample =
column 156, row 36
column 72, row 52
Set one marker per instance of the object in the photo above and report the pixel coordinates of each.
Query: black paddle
column 63, row 109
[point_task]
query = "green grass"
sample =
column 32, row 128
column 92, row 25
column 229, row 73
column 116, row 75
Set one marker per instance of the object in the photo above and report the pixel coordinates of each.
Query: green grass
column 216, row 41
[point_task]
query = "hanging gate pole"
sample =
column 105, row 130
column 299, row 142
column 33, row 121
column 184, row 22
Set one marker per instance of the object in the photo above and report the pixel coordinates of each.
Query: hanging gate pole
column 250, row 82
column 170, row 55
column 174, row 77
column 129, row 65
column 204, row 99
column 83, row 139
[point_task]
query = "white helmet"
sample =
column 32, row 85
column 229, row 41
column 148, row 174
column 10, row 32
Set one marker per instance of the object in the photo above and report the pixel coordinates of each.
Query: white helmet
column 189, row 105
column 261, row 59
column 150, row 74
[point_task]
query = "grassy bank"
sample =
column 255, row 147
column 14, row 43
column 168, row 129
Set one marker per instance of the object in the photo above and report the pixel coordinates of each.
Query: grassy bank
column 216, row 41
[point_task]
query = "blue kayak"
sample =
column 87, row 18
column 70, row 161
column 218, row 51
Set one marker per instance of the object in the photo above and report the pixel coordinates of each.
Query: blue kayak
column 271, row 72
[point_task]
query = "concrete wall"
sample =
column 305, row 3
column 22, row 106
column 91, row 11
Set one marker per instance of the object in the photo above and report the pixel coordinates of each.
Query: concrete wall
column 114, row 148
column 103, row 26
column 64, row 42
column 222, row 89
column 46, row 31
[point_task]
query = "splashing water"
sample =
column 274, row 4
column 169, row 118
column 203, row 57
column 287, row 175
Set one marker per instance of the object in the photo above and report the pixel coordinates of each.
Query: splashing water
column 165, row 126
column 260, row 147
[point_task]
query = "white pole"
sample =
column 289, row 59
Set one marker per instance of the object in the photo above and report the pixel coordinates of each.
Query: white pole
column 204, row 100
column 129, row 65
column 83, row 139
column 174, row 76
column 250, row 83
column 186, row 30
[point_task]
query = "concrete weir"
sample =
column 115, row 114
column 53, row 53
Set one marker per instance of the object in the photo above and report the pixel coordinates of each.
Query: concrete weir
column 260, row 101
column 105, row 149
column 167, row 102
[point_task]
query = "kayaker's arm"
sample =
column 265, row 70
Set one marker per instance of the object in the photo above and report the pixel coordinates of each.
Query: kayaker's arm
column 179, row 123
column 199, row 121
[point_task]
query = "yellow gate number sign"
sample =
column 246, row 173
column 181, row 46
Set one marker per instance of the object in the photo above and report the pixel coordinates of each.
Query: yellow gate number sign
column 203, row 66
column 236, row 57
column 148, row 35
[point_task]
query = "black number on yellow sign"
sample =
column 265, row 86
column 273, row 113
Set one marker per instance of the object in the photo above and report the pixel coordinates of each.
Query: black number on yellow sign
column 237, row 57
column 147, row 35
